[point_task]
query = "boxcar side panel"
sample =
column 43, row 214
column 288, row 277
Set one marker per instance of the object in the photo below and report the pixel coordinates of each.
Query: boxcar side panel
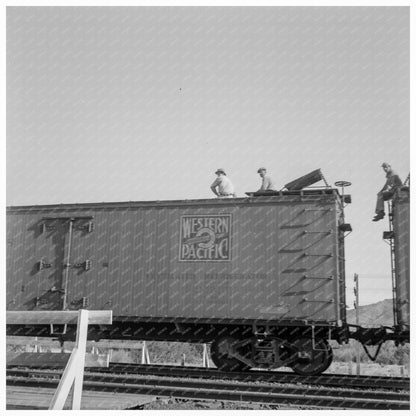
column 401, row 226
column 263, row 258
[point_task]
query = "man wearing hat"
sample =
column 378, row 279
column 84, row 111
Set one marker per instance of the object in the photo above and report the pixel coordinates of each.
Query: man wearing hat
column 392, row 183
column 267, row 183
column 222, row 186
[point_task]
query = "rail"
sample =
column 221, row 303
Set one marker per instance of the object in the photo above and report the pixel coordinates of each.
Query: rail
column 243, row 390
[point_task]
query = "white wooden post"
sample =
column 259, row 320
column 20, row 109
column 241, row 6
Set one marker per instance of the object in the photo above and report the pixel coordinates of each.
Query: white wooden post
column 145, row 354
column 74, row 371
column 205, row 358
column 67, row 380
column 81, row 345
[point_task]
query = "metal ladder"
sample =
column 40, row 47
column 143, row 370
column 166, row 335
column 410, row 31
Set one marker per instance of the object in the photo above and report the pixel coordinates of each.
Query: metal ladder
column 388, row 236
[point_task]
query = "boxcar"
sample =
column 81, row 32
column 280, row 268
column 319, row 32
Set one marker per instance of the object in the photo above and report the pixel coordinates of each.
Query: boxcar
column 401, row 264
column 263, row 278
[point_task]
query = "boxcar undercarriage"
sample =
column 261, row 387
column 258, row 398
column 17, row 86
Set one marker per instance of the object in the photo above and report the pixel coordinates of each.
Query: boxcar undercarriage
column 236, row 347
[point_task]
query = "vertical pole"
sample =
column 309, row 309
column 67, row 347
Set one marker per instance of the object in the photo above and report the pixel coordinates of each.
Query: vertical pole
column 143, row 361
column 393, row 261
column 205, row 359
column 81, row 345
column 145, row 354
column 357, row 320
column 67, row 264
column 66, row 382
column 74, row 371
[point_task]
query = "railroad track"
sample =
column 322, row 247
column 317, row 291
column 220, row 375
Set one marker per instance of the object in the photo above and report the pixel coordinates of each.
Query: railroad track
column 335, row 380
column 225, row 389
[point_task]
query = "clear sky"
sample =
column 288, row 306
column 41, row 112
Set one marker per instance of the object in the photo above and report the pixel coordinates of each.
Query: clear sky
column 141, row 103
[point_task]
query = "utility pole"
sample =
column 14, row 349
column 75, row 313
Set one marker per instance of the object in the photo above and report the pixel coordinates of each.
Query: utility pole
column 357, row 321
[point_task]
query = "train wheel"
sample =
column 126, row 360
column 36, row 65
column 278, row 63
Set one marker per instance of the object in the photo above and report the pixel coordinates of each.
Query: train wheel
column 311, row 361
column 222, row 358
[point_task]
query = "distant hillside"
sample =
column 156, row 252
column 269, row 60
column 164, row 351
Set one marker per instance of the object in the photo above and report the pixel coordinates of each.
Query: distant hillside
column 376, row 314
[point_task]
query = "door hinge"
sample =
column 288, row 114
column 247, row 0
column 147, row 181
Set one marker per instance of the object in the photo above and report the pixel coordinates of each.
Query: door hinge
column 86, row 265
column 46, row 227
column 42, row 264
column 89, row 227
column 40, row 301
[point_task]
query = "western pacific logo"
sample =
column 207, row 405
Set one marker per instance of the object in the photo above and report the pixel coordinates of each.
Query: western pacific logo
column 205, row 238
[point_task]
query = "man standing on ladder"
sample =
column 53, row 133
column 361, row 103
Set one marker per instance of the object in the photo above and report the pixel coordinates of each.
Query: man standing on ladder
column 392, row 183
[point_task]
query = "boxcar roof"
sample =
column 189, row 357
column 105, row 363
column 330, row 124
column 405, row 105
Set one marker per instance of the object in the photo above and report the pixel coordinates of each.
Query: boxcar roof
column 253, row 197
column 259, row 197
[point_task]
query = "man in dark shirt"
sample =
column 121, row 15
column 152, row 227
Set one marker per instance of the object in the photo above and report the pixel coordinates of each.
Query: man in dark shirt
column 392, row 183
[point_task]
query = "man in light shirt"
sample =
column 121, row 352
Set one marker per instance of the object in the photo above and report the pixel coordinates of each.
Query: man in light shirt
column 222, row 186
column 267, row 183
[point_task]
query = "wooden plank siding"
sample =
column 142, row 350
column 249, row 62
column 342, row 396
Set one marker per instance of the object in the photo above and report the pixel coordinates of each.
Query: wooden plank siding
column 279, row 246
column 401, row 227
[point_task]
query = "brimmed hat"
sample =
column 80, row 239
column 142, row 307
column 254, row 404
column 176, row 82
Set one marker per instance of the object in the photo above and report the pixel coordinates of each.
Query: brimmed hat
column 260, row 169
column 220, row 171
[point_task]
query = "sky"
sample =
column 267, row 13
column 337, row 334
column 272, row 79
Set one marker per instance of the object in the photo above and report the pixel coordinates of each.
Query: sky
column 144, row 103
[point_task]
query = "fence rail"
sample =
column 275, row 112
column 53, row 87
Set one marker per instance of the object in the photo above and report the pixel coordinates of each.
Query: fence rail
column 75, row 362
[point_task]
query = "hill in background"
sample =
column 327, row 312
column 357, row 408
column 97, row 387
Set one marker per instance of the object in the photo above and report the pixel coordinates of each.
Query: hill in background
column 375, row 314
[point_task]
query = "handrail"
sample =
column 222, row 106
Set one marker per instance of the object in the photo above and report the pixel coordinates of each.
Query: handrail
column 74, row 371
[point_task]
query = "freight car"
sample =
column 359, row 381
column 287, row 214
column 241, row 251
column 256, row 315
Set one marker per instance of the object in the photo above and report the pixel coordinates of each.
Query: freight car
column 398, row 236
column 262, row 278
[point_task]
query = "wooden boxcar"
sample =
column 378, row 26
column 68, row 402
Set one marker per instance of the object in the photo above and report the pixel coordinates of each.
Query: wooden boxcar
column 261, row 268
column 401, row 239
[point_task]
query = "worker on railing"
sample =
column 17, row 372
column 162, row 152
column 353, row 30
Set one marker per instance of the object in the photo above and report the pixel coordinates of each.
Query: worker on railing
column 392, row 183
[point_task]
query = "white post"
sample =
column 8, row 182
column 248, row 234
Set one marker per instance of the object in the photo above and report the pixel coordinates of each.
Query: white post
column 145, row 354
column 81, row 345
column 67, row 380
column 357, row 322
column 205, row 358
column 74, row 370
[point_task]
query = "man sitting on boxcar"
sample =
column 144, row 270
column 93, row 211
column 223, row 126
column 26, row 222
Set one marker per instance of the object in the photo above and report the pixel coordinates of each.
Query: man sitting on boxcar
column 392, row 183
column 267, row 183
column 222, row 186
